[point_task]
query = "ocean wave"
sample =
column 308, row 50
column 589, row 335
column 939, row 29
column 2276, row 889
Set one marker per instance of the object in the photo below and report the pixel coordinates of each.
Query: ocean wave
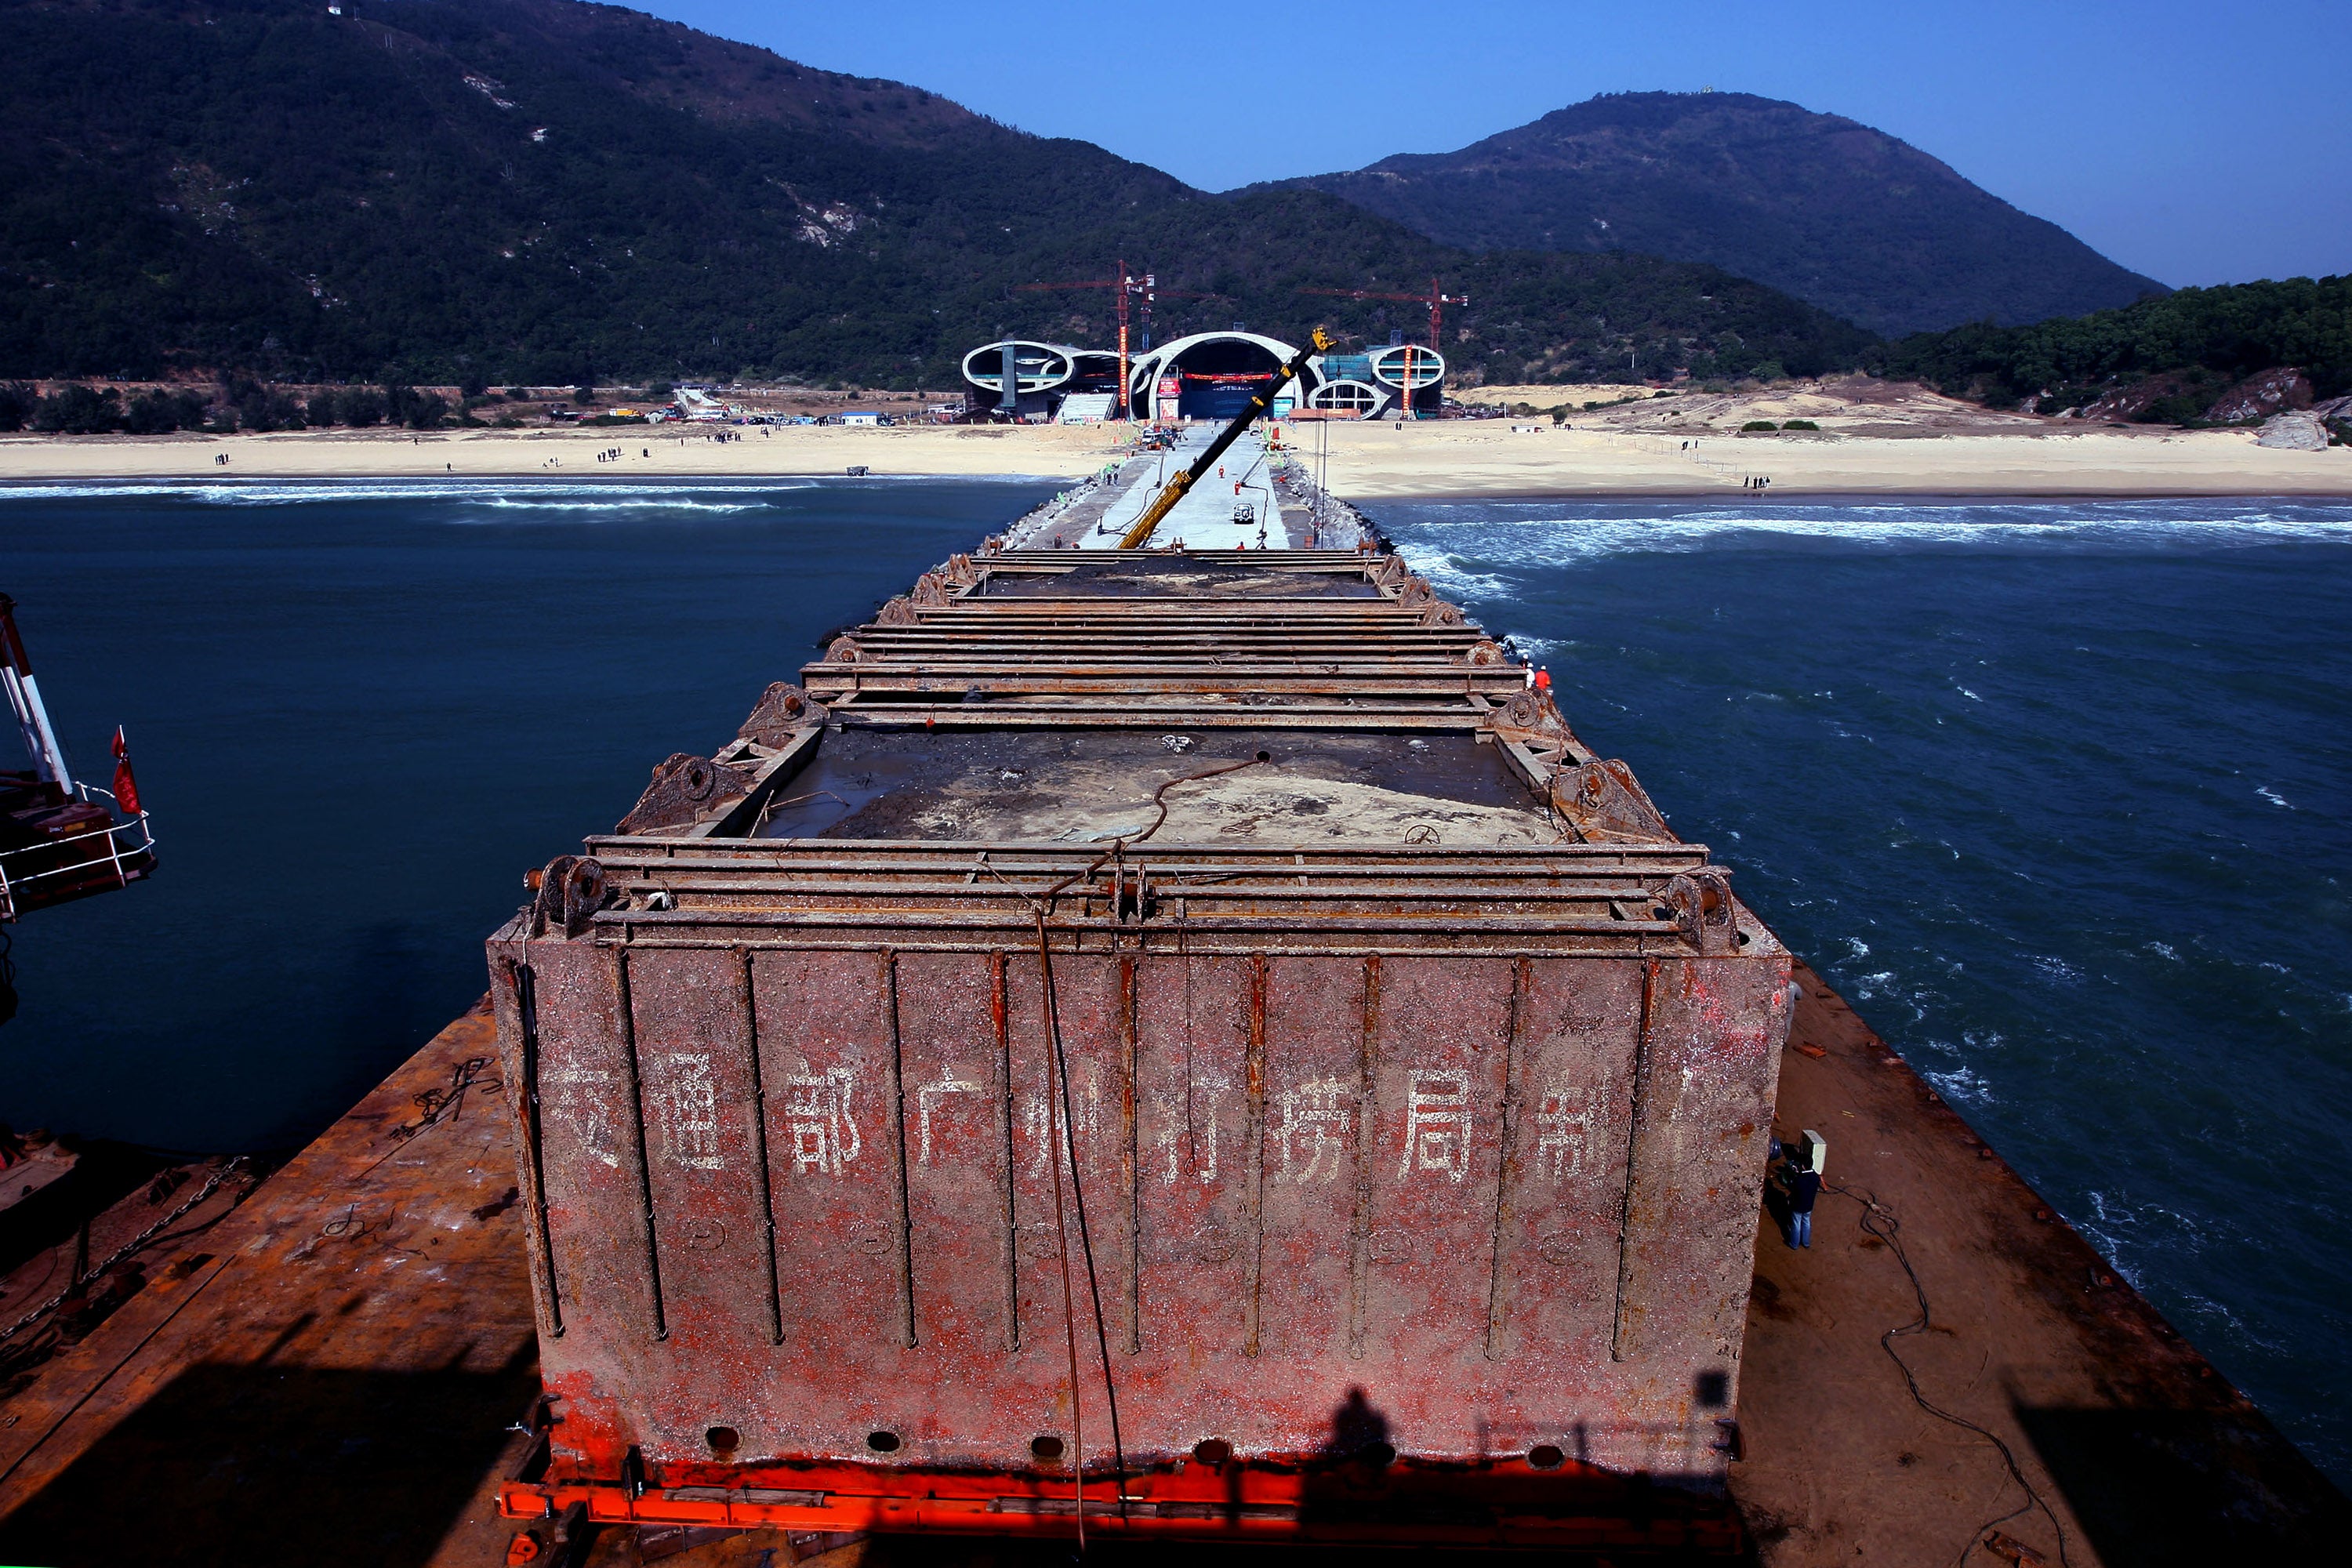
column 634, row 504
column 1454, row 580
column 1456, row 543
column 495, row 492
column 1962, row 1085
column 514, row 494
column 2124, row 1221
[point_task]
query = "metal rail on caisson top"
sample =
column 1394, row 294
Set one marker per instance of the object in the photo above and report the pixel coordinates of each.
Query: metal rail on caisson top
column 1318, row 342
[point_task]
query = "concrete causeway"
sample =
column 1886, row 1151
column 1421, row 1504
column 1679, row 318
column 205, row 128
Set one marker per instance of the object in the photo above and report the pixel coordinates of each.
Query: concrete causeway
column 1098, row 516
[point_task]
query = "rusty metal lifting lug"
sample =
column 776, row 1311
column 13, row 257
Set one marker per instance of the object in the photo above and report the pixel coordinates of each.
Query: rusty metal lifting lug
column 899, row 612
column 844, row 650
column 1530, row 717
column 1131, row 900
column 1606, row 804
column 1701, row 902
column 784, row 711
column 930, row 589
column 959, row 571
column 682, row 789
column 1526, row 710
column 1415, row 592
column 1438, row 613
column 1483, row 652
column 569, row 890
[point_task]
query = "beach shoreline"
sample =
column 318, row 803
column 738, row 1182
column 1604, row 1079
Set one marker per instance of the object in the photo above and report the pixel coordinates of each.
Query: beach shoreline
column 1454, row 460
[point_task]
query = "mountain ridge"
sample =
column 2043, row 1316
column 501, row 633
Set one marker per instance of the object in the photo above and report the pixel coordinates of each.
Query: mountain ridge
column 1820, row 206
column 557, row 191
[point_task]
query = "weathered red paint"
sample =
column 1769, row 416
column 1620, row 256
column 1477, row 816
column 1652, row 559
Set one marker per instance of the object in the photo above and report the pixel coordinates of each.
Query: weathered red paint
column 1399, row 1167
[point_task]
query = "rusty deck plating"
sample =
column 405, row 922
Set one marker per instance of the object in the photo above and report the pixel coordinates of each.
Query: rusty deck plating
column 1244, row 931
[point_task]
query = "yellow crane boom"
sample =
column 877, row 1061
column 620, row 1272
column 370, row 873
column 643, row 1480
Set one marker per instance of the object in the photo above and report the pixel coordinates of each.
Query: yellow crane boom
column 1320, row 341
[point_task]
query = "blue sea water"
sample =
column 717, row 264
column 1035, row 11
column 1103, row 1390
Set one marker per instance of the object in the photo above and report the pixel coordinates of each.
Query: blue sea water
column 2055, row 793
column 358, row 714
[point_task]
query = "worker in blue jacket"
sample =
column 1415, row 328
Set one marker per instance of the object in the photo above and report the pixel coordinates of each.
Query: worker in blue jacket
column 1804, row 1187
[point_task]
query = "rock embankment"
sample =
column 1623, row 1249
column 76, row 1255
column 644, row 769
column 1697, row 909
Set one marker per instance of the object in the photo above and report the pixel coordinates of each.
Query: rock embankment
column 2260, row 396
column 2296, row 431
column 2280, row 390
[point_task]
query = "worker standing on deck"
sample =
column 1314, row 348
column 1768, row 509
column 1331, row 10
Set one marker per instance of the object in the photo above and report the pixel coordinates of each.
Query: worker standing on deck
column 1804, row 1187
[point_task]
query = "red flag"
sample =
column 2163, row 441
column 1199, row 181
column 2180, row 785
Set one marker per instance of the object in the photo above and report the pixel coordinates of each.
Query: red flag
column 126, row 788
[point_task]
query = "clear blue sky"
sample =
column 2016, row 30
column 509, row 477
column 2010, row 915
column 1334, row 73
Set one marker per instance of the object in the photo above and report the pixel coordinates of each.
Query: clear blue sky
column 2195, row 142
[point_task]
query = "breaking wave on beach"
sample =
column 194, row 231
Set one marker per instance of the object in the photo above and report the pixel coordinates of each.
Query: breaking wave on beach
column 1459, row 544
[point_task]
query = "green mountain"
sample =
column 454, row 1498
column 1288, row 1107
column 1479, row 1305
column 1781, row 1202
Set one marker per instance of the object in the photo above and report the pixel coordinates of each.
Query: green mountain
column 553, row 192
column 2166, row 359
column 1839, row 215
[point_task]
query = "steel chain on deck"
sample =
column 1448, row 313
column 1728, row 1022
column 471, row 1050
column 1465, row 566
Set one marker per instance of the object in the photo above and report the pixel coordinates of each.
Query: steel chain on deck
column 129, row 1247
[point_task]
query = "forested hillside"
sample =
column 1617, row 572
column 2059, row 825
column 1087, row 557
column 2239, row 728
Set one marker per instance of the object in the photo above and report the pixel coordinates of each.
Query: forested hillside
column 1840, row 215
column 2183, row 350
column 479, row 191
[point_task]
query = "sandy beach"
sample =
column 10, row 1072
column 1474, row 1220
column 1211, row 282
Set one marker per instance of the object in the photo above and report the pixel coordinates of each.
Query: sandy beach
column 644, row 452
column 1873, row 439
column 1487, row 458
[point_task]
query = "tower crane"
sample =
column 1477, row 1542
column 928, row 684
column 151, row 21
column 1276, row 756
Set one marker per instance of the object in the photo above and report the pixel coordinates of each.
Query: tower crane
column 1435, row 299
column 1127, row 285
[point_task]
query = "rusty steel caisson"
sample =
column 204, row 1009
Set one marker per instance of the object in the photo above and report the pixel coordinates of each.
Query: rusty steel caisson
column 1213, row 976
